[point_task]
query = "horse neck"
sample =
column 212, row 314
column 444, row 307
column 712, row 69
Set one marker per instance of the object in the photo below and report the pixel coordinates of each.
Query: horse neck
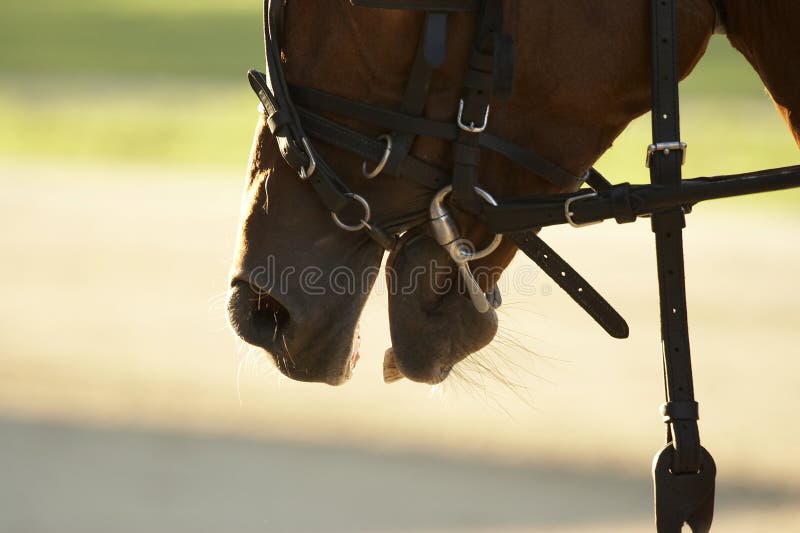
column 766, row 34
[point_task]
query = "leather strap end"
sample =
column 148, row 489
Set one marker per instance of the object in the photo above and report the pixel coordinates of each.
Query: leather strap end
column 571, row 282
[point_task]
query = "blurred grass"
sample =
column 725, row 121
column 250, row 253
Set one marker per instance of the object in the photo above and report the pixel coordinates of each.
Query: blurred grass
column 163, row 82
column 125, row 39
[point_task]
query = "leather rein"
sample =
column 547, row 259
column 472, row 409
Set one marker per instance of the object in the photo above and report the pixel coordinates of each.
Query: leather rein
column 684, row 471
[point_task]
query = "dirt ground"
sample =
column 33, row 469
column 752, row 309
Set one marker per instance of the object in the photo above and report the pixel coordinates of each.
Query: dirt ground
column 126, row 404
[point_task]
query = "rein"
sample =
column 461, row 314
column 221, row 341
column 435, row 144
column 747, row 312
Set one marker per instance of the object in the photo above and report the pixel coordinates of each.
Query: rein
column 684, row 471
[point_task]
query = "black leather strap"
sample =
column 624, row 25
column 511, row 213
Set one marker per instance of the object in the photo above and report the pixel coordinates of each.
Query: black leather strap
column 371, row 149
column 625, row 202
column 665, row 170
column 687, row 456
column 393, row 120
column 571, row 282
column 431, row 53
column 474, row 108
column 677, row 411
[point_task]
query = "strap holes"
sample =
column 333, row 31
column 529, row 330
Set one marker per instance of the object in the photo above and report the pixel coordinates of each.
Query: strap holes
column 563, row 274
column 546, row 256
column 677, row 350
column 580, row 289
column 671, row 272
column 665, row 116
column 674, row 311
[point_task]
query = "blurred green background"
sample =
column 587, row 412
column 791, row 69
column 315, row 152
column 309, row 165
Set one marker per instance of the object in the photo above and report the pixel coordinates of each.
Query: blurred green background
column 127, row 405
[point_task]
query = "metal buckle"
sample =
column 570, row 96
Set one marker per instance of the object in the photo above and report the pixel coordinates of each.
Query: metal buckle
column 569, row 214
column 312, row 163
column 382, row 164
column 364, row 221
column 446, row 233
column 471, row 128
column 666, row 148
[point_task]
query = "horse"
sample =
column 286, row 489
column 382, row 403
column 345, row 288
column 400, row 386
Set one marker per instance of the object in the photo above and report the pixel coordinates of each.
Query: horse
column 582, row 74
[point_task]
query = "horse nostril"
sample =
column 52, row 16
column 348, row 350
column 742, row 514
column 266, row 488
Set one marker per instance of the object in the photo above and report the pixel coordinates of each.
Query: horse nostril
column 269, row 313
column 258, row 318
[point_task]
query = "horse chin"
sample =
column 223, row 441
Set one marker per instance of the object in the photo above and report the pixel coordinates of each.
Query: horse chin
column 433, row 324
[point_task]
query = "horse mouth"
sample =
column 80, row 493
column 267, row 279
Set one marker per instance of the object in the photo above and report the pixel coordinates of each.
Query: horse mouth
column 432, row 329
column 302, row 352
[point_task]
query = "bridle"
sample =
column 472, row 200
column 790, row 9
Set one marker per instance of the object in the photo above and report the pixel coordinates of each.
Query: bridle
column 684, row 472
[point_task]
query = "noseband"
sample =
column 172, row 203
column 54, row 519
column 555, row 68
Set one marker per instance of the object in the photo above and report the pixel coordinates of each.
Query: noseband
column 684, row 471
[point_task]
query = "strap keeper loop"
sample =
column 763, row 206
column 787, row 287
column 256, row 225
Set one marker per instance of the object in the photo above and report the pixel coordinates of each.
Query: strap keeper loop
column 621, row 204
column 278, row 120
column 680, row 410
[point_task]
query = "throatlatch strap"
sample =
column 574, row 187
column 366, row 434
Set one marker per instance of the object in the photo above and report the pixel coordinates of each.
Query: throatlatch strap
column 684, row 471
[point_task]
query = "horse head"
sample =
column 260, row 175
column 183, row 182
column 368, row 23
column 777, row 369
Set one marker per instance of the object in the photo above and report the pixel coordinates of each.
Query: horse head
column 299, row 282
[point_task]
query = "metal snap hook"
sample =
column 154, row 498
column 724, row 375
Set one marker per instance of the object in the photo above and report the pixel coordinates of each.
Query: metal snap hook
column 364, row 220
column 444, row 227
column 385, row 159
column 446, row 233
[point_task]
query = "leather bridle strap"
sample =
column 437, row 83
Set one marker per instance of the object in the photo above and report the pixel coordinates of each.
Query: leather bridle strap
column 489, row 74
column 384, row 118
column 683, row 464
column 627, row 203
column 571, row 282
column 431, row 53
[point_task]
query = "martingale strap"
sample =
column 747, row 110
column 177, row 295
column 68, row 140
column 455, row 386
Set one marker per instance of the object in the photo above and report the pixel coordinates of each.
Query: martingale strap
column 683, row 464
